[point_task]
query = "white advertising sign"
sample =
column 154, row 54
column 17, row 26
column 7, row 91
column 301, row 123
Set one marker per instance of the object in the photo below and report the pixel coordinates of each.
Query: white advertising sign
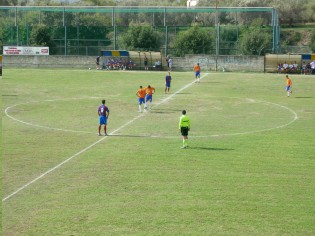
column 16, row 50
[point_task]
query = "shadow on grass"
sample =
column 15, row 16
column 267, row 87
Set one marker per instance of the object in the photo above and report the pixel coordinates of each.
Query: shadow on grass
column 165, row 110
column 211, row 149
column 130, row 136
column 209, row 82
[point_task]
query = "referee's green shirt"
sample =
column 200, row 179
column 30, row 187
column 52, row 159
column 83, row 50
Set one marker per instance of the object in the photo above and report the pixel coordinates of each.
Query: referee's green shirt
column 184, row 121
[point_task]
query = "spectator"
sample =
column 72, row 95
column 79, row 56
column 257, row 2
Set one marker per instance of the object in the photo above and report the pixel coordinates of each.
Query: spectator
column 146, row 61
column 170, row 64
column 98, row 62
column 157, row 64
column 130, row 64
column 312, row 64
column 285, row 67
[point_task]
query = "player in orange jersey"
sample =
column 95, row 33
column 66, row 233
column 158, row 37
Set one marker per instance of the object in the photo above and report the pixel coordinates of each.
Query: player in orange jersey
column 141, row 97
column 148, row 97
column 197, row 72
column 288, row 88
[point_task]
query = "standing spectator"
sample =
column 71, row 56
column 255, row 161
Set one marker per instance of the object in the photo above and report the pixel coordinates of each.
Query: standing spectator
column 170, row 64
column 288, row 88
column 103, row 113
column 312, row 67
column 141, row 97
column 184, row 127
column 146, row 61
column 197, row 72
column 148, row 98
column 308, row 69
column 166, row 59
column 168, row 79
column 98, row 58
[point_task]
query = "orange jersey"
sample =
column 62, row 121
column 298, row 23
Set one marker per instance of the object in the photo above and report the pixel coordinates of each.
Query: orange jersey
column 289, row 82
column 141, row 93
column 196, row 68
column 150, row 90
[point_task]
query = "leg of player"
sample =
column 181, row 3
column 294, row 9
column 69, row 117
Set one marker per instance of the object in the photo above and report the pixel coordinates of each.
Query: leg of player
column 99, row 130
column 105, row 130
column 140, row 108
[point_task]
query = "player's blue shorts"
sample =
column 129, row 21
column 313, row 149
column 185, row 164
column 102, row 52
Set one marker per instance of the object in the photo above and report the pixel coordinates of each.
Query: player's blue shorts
column 103, row 120
column 141, row 100
column 148, row 98
column 288, row 88
column 168, row 84
column 197, row 73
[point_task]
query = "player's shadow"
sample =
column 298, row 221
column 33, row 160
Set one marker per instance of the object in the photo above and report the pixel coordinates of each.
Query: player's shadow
column 211, row 82
column 129, row 136
column 212, row 149
column 165, row 110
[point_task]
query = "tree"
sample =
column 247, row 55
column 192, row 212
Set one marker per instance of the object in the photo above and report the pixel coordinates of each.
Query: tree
column 313, row 42
column 193, row 41
column 254, row 41
column 41, row 36
column 140, row 38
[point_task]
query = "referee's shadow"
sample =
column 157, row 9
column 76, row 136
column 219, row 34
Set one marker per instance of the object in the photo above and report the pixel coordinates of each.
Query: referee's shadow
column 211, row 149
column 161, row 110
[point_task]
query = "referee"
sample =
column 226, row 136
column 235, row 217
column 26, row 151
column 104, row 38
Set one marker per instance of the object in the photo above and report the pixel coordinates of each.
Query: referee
column 184, row 127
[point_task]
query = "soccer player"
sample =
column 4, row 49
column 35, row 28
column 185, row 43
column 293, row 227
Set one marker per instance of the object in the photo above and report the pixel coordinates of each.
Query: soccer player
column 168, row 79
column 141, row 97
column 288, row 88
column 184, row 127
column 148, row 97
column 197, row 72
column 103, row 113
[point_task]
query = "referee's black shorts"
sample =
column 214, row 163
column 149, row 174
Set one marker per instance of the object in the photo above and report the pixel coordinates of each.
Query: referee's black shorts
column 184, row 131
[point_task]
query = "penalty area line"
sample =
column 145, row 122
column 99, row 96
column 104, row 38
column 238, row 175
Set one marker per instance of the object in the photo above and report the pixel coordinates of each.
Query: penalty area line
column 92, row 145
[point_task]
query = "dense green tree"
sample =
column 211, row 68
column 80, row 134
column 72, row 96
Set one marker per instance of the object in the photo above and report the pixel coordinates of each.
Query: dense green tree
column 313, row 42
column 140, row 38
column 193, row 41
column 41, row 36
column 254, row 41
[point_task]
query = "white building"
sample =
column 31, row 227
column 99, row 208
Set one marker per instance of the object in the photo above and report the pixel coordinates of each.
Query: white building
column 192, row 3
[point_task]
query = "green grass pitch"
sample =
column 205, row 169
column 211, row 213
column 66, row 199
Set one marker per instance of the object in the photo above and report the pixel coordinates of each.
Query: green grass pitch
column 249, row 168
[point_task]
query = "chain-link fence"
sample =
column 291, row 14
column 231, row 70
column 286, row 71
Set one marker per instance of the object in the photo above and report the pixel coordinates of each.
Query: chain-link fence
column 88, row 30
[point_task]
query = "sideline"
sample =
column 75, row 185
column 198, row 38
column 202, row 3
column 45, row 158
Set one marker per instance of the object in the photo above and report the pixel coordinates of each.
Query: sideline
column 93, row 144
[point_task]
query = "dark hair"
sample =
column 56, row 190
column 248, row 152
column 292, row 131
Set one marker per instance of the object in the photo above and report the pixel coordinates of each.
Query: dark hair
column 103, row 101
column 140, row 86
column 184, row 112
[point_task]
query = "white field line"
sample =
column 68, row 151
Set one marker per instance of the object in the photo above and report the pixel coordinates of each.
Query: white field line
column 90, row 146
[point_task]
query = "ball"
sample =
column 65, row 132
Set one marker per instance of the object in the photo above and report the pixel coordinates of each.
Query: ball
column 89, row 68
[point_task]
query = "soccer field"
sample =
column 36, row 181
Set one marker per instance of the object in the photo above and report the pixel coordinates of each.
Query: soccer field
column 249, row 168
